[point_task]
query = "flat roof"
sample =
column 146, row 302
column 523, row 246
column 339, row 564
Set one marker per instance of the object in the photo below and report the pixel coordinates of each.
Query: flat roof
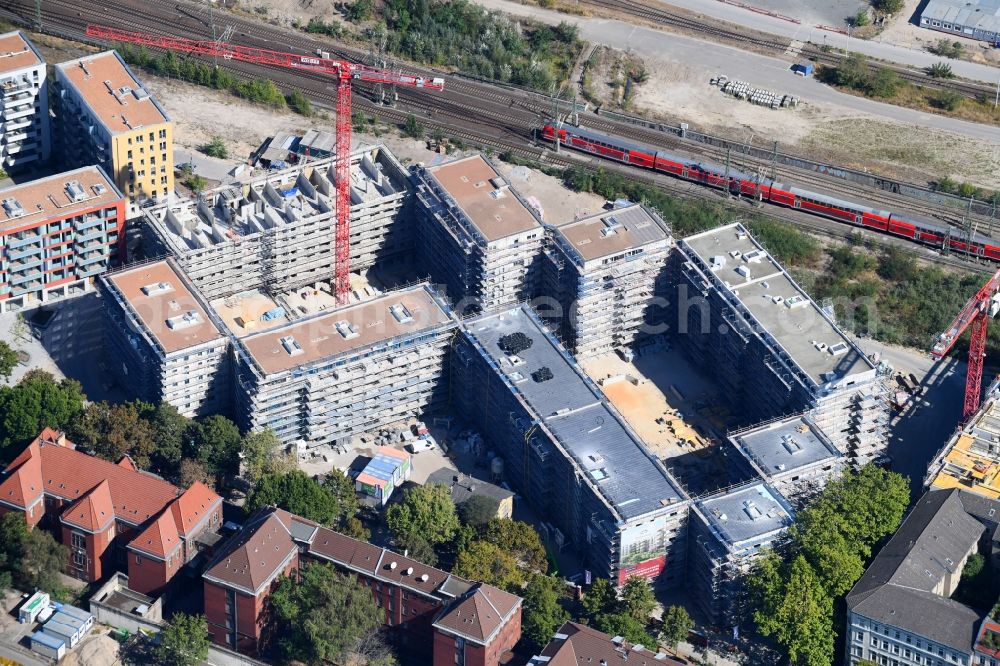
column 981, row 14
column 751, row 277
column 472, row 182
column 746, row 513
column 17, row 52
column 970, row 461
column 61, row 195
column 117, row 98
column 575, row 411
column 365, row 324
column 613, row 232
column 783, row 446
column 160, row 298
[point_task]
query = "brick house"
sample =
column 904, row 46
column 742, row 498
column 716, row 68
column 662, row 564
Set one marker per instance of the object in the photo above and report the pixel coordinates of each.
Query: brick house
column 435, row 613
column 110, row 516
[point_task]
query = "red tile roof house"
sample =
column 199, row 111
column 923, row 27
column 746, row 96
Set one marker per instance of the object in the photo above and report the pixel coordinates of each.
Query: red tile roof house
column 439, row 615
column 106, row 513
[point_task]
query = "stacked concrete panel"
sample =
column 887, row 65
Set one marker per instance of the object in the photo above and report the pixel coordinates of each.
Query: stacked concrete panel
column 476, row 235
column 744, row 321
column 24, row 104
column 567, row 451
column 276, row 233
column 607, row 269
column 354, row 369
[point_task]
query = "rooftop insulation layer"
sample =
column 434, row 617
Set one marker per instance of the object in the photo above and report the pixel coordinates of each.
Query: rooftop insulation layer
column 613, row 232
column 744, row 272
column 16, row 52
column 396, row 314
column 116, row 97
column 574, row 410
column 484, row 196
column 745, row 514
column 784, row 446
column 158, row 296
column 60, row 196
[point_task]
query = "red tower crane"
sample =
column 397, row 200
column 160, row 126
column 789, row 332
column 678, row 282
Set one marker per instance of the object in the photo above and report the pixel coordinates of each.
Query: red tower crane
column 976, row 313
column 343, row 72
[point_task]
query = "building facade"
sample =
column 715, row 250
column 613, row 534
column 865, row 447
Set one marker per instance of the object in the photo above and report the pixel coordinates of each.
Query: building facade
column 567, row 451
column 161, row 341
column 476, row 235
column 56, row 234
column 25, row 140
column 608, row 272
column 727, row 534
column 975, row 19
column 442, row 618
column 107, row 117
column 970, row 459
column 109, row 516
column 575, row 644
column 745, row 322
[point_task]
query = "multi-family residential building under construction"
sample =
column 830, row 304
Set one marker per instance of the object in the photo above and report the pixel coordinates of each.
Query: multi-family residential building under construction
column 240, row 318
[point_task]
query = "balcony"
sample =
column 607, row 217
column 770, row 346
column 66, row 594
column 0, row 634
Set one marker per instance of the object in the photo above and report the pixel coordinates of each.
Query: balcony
column 36, row 248
column 22, row 278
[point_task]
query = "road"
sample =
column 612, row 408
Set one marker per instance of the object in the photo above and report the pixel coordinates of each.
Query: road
column 810, row 33
column 758, row 70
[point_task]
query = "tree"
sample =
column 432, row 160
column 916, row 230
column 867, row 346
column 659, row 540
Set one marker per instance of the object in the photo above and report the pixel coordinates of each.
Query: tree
column 257, row 453
column 298, row 493
column 884, row 83
column 196, row 183
column 34, row 403
column 8, row 360
column 217, row 441
column 418, row 548
column 600, row 598
column 521, row 540
column 216, row 148
column 637, row 598
column 676, row 626
column 425, row 510
column 485, row 561
column 360, row 10
column 626, row 626
column 300, row 104
column 542, row 613
column 796, row 610
column 170, row 428
column 112, row 431
column 852, row 72
column 873, row 501
column 412, row 128
column 33, row 558
column 189, row 471
column 888, row 6
column 323, row 615
column 478, row 510
column 184, row 641
column 861, row 18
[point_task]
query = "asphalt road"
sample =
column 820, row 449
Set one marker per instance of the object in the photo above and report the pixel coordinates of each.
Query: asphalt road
column 758, row 70
column 811, row 33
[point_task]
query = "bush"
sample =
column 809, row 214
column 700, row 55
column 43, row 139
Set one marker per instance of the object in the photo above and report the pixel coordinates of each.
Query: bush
column 300, row 104
column 319, row 27
column 412, row 128
column 888, row 6
column 262, row 91
column 216, row 148
column 949, row 100
column 360, row 10
column 946, row 49
column 946, row 184
column 884, row 83
column 940, row 70
column 861, row 18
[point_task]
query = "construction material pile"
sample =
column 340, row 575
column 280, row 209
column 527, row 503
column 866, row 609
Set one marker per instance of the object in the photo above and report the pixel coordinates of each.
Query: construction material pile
column 759, row 96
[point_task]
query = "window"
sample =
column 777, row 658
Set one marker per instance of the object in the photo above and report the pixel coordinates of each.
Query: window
column 77, row 540
column 138, row 558
column 79, row 558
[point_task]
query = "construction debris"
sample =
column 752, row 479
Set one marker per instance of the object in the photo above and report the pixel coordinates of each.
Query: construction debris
column 759, row 96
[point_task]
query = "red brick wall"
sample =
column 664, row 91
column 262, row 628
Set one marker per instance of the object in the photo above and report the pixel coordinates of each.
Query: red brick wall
column 213, row 521
column 444, row 650
column 478, row 655
column 96, row 553
column 149, row 575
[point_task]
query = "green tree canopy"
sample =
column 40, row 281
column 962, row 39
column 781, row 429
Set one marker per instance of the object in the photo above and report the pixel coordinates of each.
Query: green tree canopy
column 298, row 493
column 485, row 561
column 542, row 613
column 478, row 510
column 601, row 598
column 112, row 431
column 637, row 598
column 8, row 360
column 796, row 611
column 520, row 539
column 33, row 558
column 626, row 626
column 216, row 441
column 184, row 641
column 676, row 626
column 257, row 452
column 34, row 403
column 170, row 428
column 426, row 511
column 324, row 616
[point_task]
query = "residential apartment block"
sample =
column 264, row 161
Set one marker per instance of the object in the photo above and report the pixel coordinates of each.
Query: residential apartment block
column 792, row 455
column 107, row 117
column 476, row 235
column 345, row 370
column 567, row 451
column 727, row 534
column 744, row 321
column 25, row 141
column 900, row 611
column 276, row 232
column 445, row 619
column 56, row 234
column 606, row 270
column 110, row 516
column 970, row 459
column 161, row 341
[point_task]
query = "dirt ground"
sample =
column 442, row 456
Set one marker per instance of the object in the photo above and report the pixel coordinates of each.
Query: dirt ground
column 904, row 31
column 95, row 650
column 290, row 12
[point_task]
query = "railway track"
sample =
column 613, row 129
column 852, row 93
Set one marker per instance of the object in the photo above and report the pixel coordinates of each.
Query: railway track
column 711, row 28
column 498, row 119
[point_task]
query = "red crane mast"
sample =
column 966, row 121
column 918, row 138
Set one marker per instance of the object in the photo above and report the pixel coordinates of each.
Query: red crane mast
column 343, row 71
column 976, row 313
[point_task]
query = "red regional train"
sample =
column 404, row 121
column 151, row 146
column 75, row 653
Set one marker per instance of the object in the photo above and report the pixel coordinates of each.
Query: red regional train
column 781, row 194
